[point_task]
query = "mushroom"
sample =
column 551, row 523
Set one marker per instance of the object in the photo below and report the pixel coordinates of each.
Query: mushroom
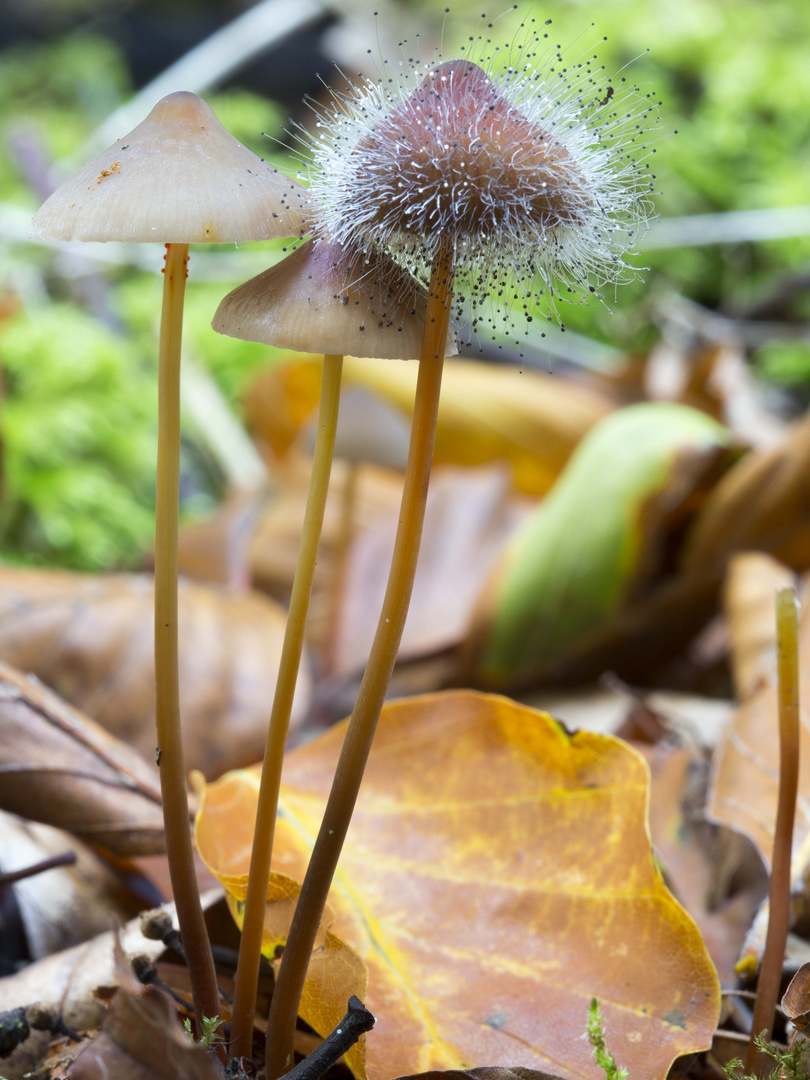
column 319, row 298
column 493, row 186
column 177, row 178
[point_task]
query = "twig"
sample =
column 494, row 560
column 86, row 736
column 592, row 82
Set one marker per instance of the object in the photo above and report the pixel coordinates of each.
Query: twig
column 355, row 1023
column 66, row 858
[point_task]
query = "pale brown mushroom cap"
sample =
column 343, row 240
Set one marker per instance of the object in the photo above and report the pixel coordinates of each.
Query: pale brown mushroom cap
column 321, row 300
column 178, row 177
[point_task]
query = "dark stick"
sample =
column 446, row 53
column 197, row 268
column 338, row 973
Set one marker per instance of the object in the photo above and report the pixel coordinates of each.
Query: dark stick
column 356, row 1021
column 67, row 858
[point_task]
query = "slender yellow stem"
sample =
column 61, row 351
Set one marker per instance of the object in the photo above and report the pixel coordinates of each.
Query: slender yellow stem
column 169, row 739
column 363, row 723
column 247, row 971
column 770, row 975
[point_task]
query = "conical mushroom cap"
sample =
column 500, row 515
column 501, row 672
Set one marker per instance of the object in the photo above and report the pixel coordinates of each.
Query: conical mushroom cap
column 178, row 177
column 320, row 299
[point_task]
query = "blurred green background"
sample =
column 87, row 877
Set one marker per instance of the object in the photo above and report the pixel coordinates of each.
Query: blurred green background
column 78, row 328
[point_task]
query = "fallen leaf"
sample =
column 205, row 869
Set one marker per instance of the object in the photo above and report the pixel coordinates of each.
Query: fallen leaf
column 470, row 515
column 596, row 542
column 273, row 548
column 495, row 892
column 752, row 582
column 707, row 871
column 91, row 640
column 66, row 905
column 762, row 504
column 745, row 782
column 717, row 379
column 62, row 768
column 488, row 412
column 68, row 979
column 796, row 999
column 141, row 1038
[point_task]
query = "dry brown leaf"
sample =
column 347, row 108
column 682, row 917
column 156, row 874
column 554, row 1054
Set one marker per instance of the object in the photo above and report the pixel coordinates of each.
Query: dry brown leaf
column 751, row 585
column 796, row 999
column 141, row 1038
column 61, row 768
column 91, row 639
column 274, row 544
column 495, row 887
column 698, row 859
column 716, row 379
column 68, row 979
column 65, row 905
column 763, row 504
column 488, row 412
column 745, row 782
column 470, row 515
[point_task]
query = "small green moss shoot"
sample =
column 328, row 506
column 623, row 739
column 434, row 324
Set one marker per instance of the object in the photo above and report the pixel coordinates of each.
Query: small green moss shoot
column 596, row 1036
column 209, row 1036
column 790, row 1064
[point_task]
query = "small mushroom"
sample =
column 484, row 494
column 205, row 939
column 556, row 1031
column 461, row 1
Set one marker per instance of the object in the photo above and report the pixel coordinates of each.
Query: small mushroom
column 324, row 296
column 177, row 178
column 320, row 298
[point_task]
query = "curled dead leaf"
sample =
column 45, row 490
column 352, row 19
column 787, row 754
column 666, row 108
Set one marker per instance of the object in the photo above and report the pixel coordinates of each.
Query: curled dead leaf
column 61, row 768
column 745, row 779
column 64, row 905
column 141, row 1038
column 751, row 584
column 796, row 999
column 761, row 504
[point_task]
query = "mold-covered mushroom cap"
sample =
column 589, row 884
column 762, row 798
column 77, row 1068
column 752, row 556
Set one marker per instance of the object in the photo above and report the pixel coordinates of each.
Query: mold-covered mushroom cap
column 178, row 177
column 321, row 299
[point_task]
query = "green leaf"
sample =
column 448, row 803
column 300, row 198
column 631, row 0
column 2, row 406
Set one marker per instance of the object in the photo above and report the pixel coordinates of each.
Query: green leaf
column 570, row 565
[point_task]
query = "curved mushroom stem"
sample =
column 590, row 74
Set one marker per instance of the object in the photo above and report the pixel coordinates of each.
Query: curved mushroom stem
column 367, row 709
column 169, row 740
column 770, row 976
column 247, row 970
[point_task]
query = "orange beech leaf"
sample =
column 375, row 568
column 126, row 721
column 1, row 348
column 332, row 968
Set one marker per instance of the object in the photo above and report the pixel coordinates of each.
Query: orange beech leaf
column 497, row 876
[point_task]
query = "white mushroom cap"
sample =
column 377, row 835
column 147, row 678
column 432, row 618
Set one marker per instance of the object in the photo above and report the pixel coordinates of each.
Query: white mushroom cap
column 178, row 177
column 320, row 299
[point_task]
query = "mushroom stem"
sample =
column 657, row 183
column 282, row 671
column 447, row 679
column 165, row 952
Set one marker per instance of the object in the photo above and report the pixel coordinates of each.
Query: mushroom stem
column 770, row 976
column 247, row 970
column 371, row 696
column 340, row 566
column 169, row 740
